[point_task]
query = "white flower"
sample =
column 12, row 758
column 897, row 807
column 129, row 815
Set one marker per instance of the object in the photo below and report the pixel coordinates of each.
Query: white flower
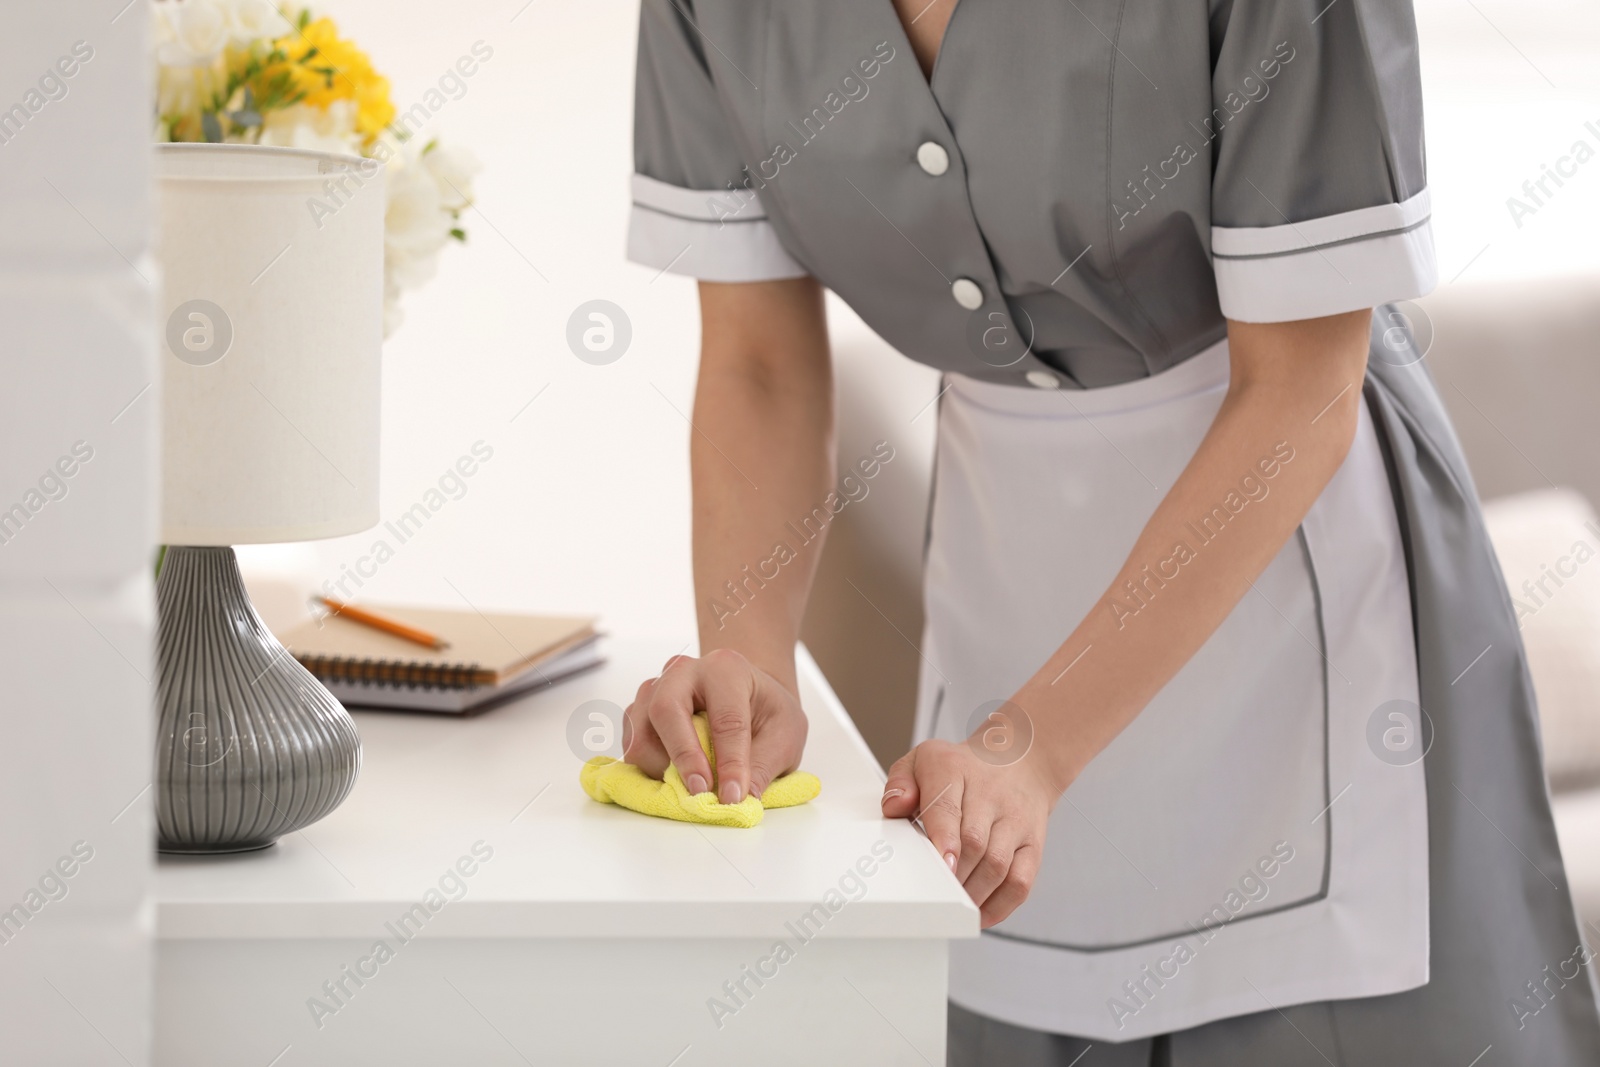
column 253, row 20
column 453, row 170
column 184, row 90
column 426, row 189
column 161, row 32
column 190, row 33
column 410, row 271
column 416, row 227
column 330, row 129
column 416, row 224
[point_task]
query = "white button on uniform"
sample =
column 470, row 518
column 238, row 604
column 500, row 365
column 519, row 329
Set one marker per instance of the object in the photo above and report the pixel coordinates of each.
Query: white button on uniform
column 967, row 293
column 932, row 158
column 1042, row 379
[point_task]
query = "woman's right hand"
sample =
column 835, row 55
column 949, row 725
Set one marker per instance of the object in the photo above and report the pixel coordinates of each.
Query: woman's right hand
column 757, row 726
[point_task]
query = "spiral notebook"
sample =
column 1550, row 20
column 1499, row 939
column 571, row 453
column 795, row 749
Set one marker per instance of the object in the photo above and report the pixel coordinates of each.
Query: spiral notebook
column 489, row 657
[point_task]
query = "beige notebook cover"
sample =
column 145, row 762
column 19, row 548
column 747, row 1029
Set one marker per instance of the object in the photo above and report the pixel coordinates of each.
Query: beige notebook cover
column 484, row 649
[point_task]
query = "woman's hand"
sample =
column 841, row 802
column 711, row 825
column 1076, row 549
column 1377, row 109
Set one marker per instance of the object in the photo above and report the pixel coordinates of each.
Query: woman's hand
column 757, row 726
column 987, row 821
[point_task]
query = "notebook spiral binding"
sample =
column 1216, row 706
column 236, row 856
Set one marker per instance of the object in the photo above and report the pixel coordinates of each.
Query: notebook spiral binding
column 396, row 674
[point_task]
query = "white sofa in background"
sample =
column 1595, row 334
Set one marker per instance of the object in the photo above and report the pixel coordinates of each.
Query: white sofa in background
column 1548, row 541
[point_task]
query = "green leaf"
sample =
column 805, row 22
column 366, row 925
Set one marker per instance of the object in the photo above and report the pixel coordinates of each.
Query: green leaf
column 430, row 146
column 459, row 234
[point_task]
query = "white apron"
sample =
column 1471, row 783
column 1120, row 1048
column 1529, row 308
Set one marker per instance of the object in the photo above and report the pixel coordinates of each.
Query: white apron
column 1250, row 841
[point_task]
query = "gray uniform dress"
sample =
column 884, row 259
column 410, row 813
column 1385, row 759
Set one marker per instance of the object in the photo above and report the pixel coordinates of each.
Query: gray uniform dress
column 1077, row 200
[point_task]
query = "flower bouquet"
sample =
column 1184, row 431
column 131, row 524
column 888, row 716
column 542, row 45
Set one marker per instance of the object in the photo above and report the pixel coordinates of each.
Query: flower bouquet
column 254, row 72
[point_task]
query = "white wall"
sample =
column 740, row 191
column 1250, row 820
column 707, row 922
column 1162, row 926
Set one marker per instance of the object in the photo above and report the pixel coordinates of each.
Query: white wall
column 1508, row 87
column 584, row 506
column 76, row 611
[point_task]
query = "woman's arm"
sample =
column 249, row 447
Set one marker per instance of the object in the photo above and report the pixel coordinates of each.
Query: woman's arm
column 761, row 456
column 1293, row 386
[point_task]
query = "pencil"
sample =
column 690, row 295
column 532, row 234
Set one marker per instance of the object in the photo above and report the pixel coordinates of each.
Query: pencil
column 384, row 623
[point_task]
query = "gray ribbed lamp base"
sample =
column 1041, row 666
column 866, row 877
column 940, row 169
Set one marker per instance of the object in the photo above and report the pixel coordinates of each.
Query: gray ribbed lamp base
column 249, row 745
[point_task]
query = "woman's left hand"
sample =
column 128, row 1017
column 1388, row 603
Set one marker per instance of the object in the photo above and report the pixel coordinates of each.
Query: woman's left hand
column 988, row 821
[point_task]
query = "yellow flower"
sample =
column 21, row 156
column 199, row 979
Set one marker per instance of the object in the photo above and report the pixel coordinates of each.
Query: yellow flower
column 326, row 68
column 374, row 109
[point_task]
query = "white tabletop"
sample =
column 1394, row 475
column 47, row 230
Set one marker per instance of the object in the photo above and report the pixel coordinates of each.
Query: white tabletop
column 432, row 786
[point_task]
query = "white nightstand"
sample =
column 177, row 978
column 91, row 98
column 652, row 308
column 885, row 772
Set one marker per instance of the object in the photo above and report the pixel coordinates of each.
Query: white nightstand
column 590, row 935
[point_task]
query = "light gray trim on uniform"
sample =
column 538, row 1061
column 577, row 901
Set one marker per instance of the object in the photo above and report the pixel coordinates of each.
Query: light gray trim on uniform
column 1335, row 244
column 1169, row 936
column 715, row 235
column 698, row 205
column 1251, row 242
column 1325, row 266
column 1328, row 279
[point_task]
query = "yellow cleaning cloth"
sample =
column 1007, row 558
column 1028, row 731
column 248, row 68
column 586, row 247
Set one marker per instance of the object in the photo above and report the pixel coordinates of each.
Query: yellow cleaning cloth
column 614, row 782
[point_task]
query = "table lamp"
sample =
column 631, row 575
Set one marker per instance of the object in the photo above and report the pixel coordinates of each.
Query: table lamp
column 271, row 329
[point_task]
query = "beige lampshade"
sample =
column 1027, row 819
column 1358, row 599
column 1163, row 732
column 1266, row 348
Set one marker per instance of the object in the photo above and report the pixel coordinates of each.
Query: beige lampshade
column 271, row 324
